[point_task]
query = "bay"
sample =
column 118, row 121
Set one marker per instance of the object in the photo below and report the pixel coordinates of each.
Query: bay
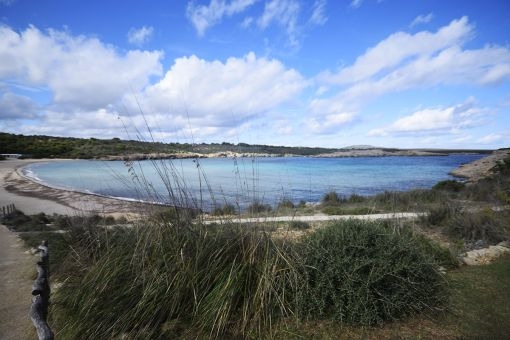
column 209, row 182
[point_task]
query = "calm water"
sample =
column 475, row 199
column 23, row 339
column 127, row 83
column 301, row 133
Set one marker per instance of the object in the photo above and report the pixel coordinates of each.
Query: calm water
column 241, row 181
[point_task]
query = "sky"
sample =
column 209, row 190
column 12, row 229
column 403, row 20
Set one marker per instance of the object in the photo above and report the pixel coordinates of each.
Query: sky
column 388, row 73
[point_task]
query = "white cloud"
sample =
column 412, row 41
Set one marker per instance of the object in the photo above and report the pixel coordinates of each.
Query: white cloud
column 318, row 15
column 490, row 138
column 400, row 48
column 204, row 16
column 247, row 22
column 428, row 119
column 330, row 122
column 422, row 60
column 422, row 19
column 285, row 13
column 140, row 36
column 203, row 93
column 356, row 3
column 79, row 71
column 439, row 120
column 98, row 123
column 13, row 106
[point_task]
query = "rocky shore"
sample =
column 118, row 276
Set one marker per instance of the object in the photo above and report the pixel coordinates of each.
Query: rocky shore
column 363, row 152
column 481, row 168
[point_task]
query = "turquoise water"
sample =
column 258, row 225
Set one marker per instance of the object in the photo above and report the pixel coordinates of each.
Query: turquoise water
column 210, row 181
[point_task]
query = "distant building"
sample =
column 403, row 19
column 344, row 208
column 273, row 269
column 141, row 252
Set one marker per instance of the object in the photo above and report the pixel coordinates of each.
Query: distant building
column 11, row 155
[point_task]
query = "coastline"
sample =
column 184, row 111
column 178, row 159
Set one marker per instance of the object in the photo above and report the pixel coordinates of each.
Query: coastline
column 32, row 197
column 480, row 168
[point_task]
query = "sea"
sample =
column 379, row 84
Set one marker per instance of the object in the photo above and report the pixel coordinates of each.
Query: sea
column 206, row 183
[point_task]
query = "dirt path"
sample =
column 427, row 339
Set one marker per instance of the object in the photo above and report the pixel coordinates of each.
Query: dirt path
column 316, row 218
column 16, row 269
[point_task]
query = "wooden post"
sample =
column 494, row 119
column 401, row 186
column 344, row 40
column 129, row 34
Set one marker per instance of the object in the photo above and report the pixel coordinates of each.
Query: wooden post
column 41, row 295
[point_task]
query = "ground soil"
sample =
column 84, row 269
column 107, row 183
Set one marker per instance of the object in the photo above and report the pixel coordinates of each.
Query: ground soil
column 17, row 269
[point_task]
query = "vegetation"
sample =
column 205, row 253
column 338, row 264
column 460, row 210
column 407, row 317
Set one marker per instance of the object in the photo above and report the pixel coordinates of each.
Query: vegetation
column 258, row 207
column 480, row 296
column 65, row 147
column 227, row 209
column 366, row 273
column 165, row 278
column 89, row 148
column 169, row 276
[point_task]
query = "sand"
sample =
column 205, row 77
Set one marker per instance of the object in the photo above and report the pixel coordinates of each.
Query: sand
column 17, row 269
column 31, row 197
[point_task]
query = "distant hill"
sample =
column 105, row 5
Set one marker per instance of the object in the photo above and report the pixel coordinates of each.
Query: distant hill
column 359, row 147
column 115, row 148
column 89, row 148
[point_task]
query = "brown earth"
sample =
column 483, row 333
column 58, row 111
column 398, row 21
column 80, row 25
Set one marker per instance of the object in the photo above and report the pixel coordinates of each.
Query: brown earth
column 16, row 271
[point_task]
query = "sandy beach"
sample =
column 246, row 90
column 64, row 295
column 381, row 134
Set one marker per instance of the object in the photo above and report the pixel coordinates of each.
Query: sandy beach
column 31, row 197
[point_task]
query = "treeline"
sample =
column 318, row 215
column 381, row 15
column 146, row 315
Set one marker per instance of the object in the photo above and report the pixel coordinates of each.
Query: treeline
column 83, row 148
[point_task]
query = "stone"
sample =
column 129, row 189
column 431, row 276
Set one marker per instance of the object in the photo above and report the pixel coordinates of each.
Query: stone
column 484, row 256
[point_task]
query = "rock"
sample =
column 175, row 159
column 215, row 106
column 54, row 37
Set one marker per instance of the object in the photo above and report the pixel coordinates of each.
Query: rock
column 485, row 255
column 504, row 244
column 479, row 244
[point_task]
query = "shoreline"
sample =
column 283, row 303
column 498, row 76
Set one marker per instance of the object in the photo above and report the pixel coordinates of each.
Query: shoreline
column 33, row 197
column 481, row 168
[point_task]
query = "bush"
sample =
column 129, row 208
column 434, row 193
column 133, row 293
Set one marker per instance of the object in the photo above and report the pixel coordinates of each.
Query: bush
column 330, row 198
column 21, row 222
column 258, row 207
column 365, row 273
column 441, row 214
column 449, row 185
column 299, row 225
column 486, row 225
column 355, row 198
column 227, row 209
column 338, row 210
column 286, row 204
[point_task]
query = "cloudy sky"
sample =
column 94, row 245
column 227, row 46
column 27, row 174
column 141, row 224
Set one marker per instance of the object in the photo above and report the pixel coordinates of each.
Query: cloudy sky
column 394, row 73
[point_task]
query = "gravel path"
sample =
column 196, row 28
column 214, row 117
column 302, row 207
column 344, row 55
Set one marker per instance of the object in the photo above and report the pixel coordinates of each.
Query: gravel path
column 16, row 270
column 315, row 218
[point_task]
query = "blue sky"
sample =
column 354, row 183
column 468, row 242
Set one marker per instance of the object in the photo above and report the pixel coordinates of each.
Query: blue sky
column 393, row 73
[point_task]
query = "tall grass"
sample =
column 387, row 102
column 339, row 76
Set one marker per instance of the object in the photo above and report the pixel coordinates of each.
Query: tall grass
column 217, row 281
column 170, row 276
column 161, row 279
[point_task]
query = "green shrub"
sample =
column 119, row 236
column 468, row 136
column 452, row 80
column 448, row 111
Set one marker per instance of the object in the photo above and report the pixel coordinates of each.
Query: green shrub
column 330, row 198
column 441, row 214
column 365, row 273
column 21, row 222
column 286, row 204
column 449, row 185
column 227, row 209
column 299, row 225
column 485, row 225
column 339, row 210
column 258, row 207
column 355, row 198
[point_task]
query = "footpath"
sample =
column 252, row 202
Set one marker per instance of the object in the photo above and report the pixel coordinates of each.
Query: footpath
column 17, row 269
